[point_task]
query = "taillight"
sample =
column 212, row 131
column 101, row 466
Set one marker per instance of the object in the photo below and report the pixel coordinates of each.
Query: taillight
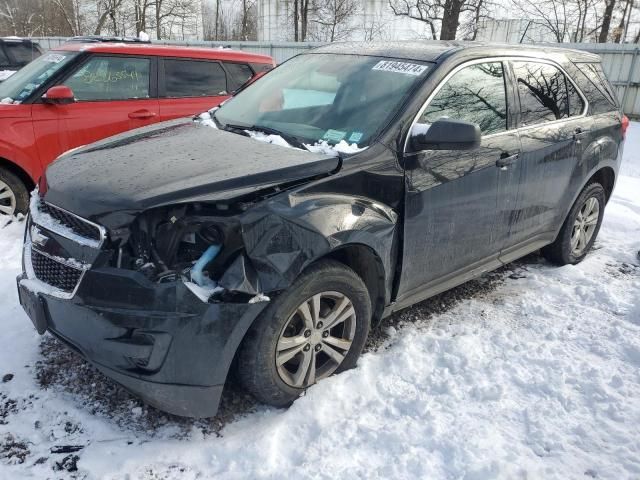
column 625, row 125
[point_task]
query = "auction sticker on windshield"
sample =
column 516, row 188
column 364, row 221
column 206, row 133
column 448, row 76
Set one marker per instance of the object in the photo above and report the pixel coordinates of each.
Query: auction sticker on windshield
column 334, row 135
column 400, row 67
column 53, row 58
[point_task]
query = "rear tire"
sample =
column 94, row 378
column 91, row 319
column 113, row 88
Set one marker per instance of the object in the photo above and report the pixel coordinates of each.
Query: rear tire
column 293, row 343
column 580, row 228
column 14, row 196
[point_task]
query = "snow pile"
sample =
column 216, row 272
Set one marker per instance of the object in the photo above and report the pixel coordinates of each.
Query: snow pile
column 4, row 74
column 269, row 138
column 47, row 221
column 205, row 118
column 322, row 146
column 204, row 293
column 143, row 36
column 534, row 377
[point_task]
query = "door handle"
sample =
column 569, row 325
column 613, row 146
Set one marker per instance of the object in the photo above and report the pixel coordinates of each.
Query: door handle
column 505, row 160
column 142, row 114
column 579, row 133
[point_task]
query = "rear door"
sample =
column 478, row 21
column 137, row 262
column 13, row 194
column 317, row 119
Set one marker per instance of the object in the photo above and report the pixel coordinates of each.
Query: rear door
column 190, row 86
column 554, row 131
column 453, row 226
column 113, row 94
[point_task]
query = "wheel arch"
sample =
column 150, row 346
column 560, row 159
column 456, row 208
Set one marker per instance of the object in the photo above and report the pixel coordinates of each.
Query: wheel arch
column 606, row 177
column 360, row 258
column 18, row 171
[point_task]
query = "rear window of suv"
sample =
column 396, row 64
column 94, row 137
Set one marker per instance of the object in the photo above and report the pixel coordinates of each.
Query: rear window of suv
column 22, row 52
column 545, row 93
column 597, row 88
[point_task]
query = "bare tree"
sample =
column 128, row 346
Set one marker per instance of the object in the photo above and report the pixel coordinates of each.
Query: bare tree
column 606, row 20
column 374, row 27
column 333, row 19
column 248, row 20
column 440, row 15
column 554, row 16
column 300, row 19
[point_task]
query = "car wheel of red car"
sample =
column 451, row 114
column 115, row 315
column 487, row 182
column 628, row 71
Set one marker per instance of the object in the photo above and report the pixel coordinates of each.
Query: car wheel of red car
column 14, row 197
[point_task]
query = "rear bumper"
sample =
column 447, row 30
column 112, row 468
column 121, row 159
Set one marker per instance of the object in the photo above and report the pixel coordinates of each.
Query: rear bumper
column 157, row 340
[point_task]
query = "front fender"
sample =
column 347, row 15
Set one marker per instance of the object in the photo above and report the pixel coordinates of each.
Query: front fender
column 281, row 238
column 17, row 141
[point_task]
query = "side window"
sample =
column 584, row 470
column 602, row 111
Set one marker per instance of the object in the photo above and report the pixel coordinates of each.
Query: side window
column 4, row 60
column 193, row 78
column 474, row 94
column 111, row 78
column 543, row 92
column 21, row 52
column 240, row 73
column 576, row 104
column 597, row 88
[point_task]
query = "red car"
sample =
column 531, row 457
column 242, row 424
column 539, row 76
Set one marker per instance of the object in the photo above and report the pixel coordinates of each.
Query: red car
column 84, row 92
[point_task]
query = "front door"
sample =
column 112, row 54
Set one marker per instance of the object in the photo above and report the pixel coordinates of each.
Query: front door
column 113, row 94
column 452, row 222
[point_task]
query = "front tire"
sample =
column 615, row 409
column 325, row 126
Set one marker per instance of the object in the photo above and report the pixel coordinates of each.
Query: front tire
column 316, row 328
column 580, row 229
column 14, row 197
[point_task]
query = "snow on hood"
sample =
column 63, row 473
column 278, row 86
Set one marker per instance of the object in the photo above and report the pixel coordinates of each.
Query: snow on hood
column 321, row 146
column 4, row 74
column 205, row 118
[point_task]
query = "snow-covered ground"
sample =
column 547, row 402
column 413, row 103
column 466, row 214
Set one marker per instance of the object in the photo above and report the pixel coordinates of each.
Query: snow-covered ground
column 532, row 372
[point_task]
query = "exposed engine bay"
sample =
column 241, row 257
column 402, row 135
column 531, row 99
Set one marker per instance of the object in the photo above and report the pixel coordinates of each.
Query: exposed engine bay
column 190, row 242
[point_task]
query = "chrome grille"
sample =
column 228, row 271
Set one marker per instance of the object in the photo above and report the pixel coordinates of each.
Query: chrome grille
column 54, row 273
column 76, row 224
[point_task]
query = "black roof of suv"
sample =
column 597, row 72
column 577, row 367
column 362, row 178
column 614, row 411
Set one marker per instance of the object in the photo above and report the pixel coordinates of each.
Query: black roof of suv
column 433, row 51
column 16, row 52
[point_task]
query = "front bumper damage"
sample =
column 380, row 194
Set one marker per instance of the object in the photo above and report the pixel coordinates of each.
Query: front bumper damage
column 157, row 340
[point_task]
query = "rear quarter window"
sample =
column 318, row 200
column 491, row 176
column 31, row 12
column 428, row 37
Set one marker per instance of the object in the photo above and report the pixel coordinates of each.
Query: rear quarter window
column 596, row 87
column 239, row 73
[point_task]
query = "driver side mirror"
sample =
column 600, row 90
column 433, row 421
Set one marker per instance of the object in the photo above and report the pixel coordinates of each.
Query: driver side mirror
column 445, row 134
column 59, row 95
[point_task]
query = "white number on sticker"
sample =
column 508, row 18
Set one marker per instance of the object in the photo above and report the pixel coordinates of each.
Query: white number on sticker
column 53, row 58
column 400, row 67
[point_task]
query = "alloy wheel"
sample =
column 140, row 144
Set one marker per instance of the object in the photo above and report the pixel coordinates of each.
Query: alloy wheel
column 7, row 200
column 584, row 226
column 315, row 339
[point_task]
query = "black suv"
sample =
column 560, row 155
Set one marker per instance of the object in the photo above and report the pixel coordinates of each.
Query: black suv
column 15, row 53
column 348, row 183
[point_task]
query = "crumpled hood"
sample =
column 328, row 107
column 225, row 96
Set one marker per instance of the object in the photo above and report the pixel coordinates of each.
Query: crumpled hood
column 173, row 162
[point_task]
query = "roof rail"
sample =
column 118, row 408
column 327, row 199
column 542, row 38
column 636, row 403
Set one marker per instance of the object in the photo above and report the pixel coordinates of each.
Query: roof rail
column 104, row 38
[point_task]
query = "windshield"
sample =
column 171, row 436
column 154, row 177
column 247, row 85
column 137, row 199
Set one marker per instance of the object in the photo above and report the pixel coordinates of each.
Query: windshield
column 325, row 97
column 19, row 86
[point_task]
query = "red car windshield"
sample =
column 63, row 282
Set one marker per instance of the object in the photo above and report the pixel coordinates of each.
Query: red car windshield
column 21, row 84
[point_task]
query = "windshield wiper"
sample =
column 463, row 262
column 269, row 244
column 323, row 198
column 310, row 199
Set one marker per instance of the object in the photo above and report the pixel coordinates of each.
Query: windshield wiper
column 290, row 139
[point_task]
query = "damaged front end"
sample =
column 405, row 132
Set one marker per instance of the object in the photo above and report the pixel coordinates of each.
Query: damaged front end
column 191, row 243
column 144, row 302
